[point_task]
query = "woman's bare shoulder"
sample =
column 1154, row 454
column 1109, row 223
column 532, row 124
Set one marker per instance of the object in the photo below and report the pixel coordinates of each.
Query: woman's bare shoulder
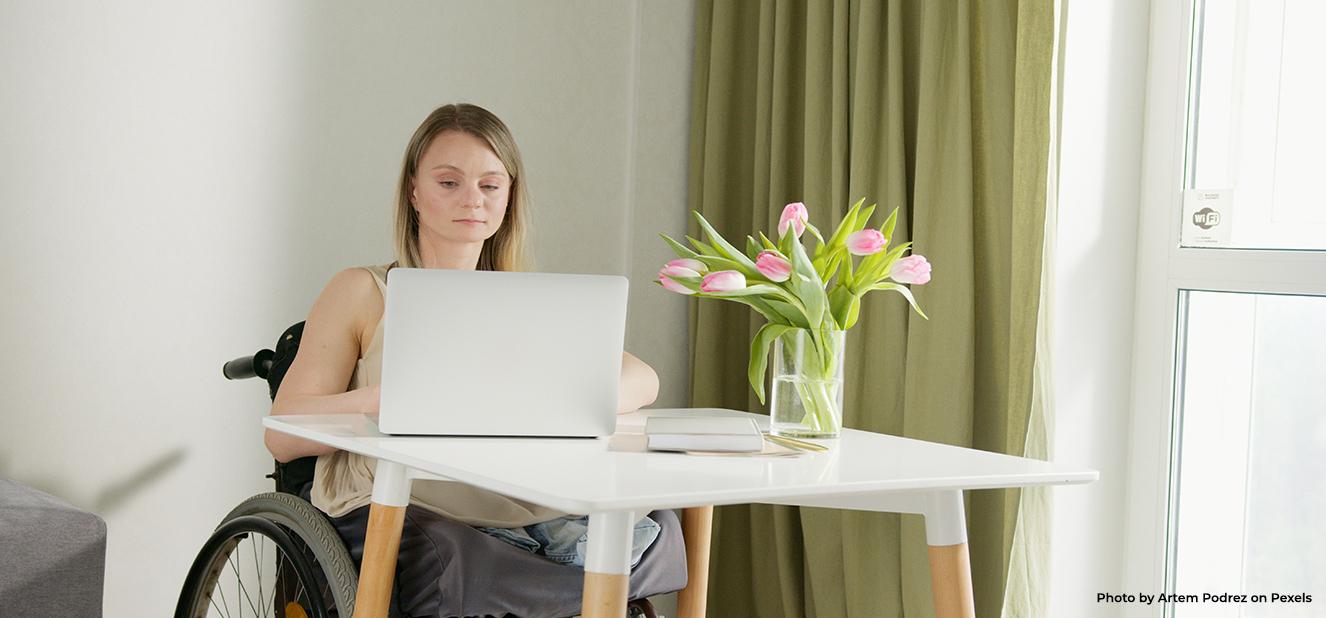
column 351, row 298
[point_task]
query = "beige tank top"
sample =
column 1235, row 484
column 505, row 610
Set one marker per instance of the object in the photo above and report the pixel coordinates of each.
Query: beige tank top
column 343, row 481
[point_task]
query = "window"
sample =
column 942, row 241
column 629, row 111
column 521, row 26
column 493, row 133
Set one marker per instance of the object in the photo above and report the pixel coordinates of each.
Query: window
column 1229, row 352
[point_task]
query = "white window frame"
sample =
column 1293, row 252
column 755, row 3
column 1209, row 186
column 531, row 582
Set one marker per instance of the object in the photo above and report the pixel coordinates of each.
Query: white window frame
column 1163, row 269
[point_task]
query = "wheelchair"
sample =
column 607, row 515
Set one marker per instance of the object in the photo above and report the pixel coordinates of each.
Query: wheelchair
column 275, row 554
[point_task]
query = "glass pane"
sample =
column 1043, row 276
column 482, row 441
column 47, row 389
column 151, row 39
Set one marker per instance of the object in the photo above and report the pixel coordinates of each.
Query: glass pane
column 1256, row 126
column 1250, row 493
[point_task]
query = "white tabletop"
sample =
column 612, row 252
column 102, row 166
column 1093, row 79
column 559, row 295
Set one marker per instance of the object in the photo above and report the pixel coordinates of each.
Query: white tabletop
column 577, row 475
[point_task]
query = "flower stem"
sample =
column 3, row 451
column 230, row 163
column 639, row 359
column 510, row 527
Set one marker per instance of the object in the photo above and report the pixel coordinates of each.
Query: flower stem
column 811, row 357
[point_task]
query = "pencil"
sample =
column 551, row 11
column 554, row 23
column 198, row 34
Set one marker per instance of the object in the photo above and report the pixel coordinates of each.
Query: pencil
column 797, row 444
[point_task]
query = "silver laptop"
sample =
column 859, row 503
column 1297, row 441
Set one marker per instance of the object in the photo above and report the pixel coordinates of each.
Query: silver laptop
column 484, row 353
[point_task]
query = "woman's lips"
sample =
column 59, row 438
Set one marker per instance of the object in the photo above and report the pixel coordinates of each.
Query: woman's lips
column 469, row 221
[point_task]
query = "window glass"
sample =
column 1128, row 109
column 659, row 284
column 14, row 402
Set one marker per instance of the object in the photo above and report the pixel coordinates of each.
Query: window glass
column 1256, row 127
column 1249, row 498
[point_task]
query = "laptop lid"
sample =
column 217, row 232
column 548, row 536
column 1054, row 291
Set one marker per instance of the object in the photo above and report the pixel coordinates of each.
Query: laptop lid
column 501, row 353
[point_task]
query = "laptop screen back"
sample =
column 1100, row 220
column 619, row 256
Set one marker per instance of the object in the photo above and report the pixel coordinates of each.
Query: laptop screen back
column 501, row 353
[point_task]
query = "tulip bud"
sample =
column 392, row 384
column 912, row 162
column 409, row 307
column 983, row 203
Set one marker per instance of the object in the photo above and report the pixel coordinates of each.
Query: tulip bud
column 695, row 265
column 772, row 265
column 866, row 242
column 911, row 269
column 723, row 281
column 795, row 215
column 678, row 271
column 673, row 286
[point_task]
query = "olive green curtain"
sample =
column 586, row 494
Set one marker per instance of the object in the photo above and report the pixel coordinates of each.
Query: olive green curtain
column 940, row 108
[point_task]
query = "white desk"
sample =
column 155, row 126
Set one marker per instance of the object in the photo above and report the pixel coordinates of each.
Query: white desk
column 614, row 479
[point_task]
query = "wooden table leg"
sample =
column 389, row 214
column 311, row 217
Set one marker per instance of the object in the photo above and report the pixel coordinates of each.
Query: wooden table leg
column 382, row 542
column 950, row 565
column 696, row 526
column 378, row 568
column 950, row 581
column 607, row 564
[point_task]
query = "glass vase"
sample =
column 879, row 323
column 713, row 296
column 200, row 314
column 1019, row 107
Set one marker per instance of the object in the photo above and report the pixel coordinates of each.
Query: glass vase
column 807, row 399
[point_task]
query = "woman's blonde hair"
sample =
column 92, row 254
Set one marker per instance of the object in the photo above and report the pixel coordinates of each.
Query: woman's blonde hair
column 506, row 249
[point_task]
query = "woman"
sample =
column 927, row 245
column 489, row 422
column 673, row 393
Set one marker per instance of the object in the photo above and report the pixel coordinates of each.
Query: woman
column 461, row 204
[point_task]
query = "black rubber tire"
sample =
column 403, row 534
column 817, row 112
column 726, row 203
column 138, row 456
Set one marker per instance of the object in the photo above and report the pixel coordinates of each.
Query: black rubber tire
column 201, row 582
column 318, row 535
column 317, row 540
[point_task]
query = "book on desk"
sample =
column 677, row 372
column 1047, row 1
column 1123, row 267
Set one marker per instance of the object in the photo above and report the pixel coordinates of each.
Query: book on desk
column 713, row 434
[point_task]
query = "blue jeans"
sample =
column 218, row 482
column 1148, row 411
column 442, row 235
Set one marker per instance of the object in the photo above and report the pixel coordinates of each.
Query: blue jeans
column 562, row 540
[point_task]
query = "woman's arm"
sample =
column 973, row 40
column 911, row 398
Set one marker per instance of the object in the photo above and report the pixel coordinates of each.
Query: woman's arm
column 639, row 386
column 328, row 352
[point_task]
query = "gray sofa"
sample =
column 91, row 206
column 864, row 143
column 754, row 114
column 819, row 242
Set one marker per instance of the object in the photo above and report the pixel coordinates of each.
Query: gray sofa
column 52, row 555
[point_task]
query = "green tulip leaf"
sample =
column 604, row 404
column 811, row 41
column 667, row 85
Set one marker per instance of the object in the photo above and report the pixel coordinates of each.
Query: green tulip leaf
column 839, row 300
column 790, row 313
column 786, row 240
column 853, row 312
column 678, row 248
column 760, row 305
column 887, row 228
column 814, row 231
column 771, row 291
column 725, row 248
column 807, row 285
column 864, row 218
column 830, row 265
column 758, row 288
column 752, row 248
column 875, row 267
column 769, row 244
column 715, row 263
column 906, row 293
column 703, row 248
column 845, row 272
column 759, row 355
column 839, row 237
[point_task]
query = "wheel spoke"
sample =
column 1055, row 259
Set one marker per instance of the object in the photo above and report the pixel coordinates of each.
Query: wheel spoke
column 238, row 584
column 221, row 590
column 212, row 600
column 258, row 568
column 302, row 595
column 239, row 581
column 298, row 582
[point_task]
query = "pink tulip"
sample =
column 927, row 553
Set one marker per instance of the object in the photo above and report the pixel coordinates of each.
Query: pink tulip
column 773, row 266
column 723, row 281
column 866, row 242
column 673, row 286
column 795, row 215
column 912, row 269
column 695, row 265
column 678, row 271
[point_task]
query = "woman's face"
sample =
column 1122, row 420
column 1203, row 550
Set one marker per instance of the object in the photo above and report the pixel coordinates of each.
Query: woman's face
column 460, row 189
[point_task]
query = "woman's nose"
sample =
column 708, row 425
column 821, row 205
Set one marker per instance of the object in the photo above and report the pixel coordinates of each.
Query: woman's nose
column 473, row 198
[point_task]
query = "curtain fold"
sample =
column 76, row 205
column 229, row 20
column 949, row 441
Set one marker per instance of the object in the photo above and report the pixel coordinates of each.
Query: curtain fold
column 940, row 109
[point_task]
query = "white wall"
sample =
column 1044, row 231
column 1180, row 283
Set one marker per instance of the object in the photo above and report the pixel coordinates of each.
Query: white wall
column 1103, row 71
column 178, row 181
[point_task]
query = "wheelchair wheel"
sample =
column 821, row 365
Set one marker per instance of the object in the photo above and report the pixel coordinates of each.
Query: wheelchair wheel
column 273, row 555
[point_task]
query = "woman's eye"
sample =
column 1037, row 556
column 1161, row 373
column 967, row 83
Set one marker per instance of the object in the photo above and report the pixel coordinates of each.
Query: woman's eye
column 447, row 183
column 491, row 187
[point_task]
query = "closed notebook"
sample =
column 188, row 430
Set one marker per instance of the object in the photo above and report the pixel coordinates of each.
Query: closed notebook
column 691, row 433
